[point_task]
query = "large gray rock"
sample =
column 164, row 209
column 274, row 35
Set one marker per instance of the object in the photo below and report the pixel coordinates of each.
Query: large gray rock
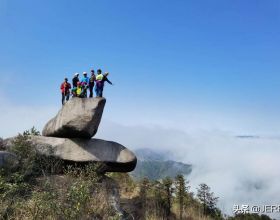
column 78, row 118
column 8, row 160
column 113, row 156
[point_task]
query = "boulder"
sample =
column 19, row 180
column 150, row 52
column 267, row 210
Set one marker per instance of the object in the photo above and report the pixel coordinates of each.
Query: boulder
column 1, row 144
column 113, row 156
column 78, row 118
column 8, row 160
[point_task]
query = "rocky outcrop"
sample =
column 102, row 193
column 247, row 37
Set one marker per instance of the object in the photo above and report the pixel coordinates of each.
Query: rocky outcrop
column 8, row 160
column 78, row 118
column 116, row 157
column 113, row 156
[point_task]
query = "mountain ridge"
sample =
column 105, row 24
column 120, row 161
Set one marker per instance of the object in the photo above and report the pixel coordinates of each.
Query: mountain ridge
column 158, row 165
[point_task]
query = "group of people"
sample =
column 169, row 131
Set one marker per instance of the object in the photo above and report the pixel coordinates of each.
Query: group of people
column 80, row 87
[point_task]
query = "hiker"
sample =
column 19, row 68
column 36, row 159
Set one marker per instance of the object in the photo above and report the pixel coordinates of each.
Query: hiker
column 79, row 90
column 75, row 80
column 84, row 90
column 85, row 83
column 91, row 83
column 74, row 91
column 65, row 90
column 100, row 80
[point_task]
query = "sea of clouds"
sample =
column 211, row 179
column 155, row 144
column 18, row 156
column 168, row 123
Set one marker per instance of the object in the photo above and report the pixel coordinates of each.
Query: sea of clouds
column 239, row 170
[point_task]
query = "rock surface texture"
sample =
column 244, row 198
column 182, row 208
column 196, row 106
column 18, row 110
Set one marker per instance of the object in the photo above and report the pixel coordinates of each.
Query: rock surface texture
column 115, row 156
column 68, row 137
column 8, row 159
column 78, row 118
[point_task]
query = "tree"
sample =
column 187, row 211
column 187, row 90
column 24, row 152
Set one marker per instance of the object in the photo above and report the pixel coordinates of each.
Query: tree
column 250, row 216
column 144, row 186
column 162, row 197
column 167, row 186
column 158, row 200
column 32, row 131
column 181, row 193
column 208, row 200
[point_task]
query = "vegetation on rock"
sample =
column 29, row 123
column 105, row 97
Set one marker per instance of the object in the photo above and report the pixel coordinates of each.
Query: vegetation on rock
column 34, row 190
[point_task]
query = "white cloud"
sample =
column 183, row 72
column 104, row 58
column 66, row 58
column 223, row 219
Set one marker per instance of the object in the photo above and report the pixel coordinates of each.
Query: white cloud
column 239, row 170
column 18, row 118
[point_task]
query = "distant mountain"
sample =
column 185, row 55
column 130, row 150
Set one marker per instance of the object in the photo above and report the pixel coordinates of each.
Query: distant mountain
column 247, row 136
column 157, row 165
column 144, row 154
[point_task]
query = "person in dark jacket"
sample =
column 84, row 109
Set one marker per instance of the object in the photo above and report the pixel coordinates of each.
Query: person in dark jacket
column 85, row 84
column 65, row 90
column 75, row 80
column 91, row 83
column 100, row 80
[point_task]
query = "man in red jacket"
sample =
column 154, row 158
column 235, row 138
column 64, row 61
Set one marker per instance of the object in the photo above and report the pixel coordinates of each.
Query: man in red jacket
column 65, row 90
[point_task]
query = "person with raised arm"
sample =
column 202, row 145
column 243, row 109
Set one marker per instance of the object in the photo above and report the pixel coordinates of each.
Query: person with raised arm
column 100, row 81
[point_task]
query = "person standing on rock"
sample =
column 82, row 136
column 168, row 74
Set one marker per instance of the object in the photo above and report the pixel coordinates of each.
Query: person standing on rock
column 75, row 80
column 79, row 91
column 65, row 90
column 91, row 83
column 85, row 83
column 100, row 80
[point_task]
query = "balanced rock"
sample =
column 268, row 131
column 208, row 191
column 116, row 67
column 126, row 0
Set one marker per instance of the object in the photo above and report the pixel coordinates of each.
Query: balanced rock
column 67, row 137
column 78, row 118
column 114, row 156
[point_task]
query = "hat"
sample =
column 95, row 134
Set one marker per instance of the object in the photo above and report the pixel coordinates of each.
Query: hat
column 76, row 74
column 84, row 73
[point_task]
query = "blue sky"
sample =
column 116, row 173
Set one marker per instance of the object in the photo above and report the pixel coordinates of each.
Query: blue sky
column 205, row 64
